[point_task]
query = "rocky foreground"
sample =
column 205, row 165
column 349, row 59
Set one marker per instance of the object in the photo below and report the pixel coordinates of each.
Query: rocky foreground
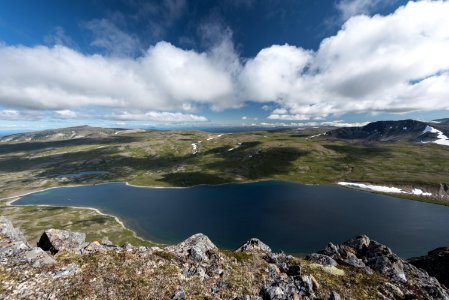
column 65, row 266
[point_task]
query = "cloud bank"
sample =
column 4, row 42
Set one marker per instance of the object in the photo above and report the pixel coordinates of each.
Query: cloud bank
column 396, row 63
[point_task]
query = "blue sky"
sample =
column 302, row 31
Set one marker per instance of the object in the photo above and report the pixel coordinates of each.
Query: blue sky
column 135, row 63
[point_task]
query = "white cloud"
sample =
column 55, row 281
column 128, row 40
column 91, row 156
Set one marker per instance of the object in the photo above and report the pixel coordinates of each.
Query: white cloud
column 66, row 114
column 13, row 115
column 368, row 67
column 165, row 78
column 158, row 117
column 109, row 37
column 396, row 63
column 272, row 73
column 349, row 8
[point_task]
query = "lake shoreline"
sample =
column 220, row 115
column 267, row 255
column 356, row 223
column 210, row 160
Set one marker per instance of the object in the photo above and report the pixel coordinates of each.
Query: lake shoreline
column 120, row 222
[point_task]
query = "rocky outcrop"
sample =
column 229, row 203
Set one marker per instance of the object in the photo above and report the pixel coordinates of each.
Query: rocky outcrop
column 15, row 251
column 197, row 268
column 198, row 247
column 443, row 191
column 254, row 245
column 436, row 263
column 368, row 255
column 321, row 259
column 55, row 240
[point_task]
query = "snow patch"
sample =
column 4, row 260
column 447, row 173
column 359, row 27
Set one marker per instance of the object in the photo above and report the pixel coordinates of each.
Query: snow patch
column 214, row 137
column 194, row 148
column 384, row 189
column 376, row 188
column 233, row 148
column 441, row 138
column 420, row 192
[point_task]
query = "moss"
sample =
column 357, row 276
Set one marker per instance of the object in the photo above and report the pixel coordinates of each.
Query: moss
column 165, row 255
column 238, row 256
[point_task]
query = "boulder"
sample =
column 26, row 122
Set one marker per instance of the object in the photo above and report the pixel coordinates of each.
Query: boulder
column 369, row 255
column 358, row 243
column 198, row 247
column 38, row 258
column 14, row 249
column 436, row 263
column 254, row 245
column 321, row 259
column 55, row 240
column 8, row 231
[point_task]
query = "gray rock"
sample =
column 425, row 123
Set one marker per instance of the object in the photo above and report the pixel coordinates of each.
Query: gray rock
column 272, row 293
column 352, row 260
column 358, row 243
column 254, row 245
column 369, row 255
column 7, row 230
column 55, row 240
column 321, row 259
column 389, row 266
column 330, row 250
column 334, row 296
column 38, row 258
column 436, row 263
column 179, row 295
column 198, row 247
column 247, row 297
column 66, row 271
column 14, row 250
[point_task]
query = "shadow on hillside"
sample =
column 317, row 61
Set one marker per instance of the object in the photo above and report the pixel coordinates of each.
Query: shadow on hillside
column 33, row 146
column 192, row 178
column 255, row 163
column 352, row 153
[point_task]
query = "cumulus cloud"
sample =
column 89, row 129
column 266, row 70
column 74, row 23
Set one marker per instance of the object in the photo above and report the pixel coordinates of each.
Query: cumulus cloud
column 349, row 8
column 165, row 78
column 368, row 67
column 396, row 63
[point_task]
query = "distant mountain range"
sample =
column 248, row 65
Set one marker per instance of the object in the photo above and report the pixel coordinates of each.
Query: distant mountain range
column 394, row 131
column 64, row 134
column 436, row 131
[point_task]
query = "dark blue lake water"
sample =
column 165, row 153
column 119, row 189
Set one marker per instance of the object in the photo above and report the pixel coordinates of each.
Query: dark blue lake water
column 287, row 216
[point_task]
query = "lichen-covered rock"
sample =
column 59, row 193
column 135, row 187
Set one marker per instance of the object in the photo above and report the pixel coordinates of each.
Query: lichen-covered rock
column 55, row 240
column 198, row 247
column 367, row 255
column 254, row 245
column 102, row 270
column 321, row 259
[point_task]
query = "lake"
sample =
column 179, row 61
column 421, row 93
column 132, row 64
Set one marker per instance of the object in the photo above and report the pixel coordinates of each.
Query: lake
column 291, row 217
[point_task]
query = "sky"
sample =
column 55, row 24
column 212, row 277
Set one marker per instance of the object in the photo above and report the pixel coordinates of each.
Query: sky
column 180, row 63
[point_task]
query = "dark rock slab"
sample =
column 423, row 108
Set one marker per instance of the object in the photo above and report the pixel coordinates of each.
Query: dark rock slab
column 436, row 263
column 55, row 240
